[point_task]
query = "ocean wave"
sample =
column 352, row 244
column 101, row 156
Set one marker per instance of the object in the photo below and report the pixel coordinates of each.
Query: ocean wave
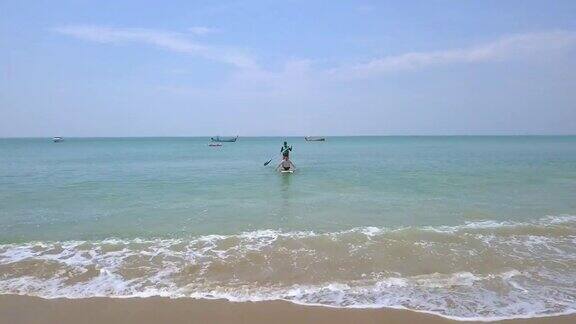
column 474, row 271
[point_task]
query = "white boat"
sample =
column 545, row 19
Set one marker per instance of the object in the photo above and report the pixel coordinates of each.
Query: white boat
column 224, row 139
column 57, row 139
column 314, row 139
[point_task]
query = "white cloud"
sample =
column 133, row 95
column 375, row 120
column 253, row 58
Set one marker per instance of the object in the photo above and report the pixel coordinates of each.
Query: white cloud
column 201, row 30
column 170, row 41
column 510, row 47
column 518, row 46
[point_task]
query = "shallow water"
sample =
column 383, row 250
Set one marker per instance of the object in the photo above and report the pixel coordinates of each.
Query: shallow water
column 465, row 227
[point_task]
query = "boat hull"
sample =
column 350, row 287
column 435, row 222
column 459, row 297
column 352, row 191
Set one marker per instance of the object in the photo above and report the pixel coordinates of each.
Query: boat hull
column 223, row 139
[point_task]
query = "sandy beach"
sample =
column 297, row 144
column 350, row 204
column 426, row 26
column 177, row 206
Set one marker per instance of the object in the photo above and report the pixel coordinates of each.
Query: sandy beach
column 30, row 310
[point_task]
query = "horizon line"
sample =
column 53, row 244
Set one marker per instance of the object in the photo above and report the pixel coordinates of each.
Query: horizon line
column 291, row 136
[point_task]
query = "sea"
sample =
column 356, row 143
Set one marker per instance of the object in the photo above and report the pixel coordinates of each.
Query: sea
column 465, row 227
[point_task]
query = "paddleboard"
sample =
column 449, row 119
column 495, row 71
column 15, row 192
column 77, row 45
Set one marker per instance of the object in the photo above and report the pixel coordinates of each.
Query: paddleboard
column 286, row 171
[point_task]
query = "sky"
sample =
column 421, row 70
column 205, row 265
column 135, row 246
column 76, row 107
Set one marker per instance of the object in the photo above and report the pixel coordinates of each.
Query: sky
column 287, row 68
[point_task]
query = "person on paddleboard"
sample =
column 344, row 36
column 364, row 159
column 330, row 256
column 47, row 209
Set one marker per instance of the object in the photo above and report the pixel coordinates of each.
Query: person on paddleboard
column 285, row 150
column 286, row 165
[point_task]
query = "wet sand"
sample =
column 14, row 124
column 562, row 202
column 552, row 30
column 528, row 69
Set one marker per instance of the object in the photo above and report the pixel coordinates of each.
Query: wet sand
column 32, row 310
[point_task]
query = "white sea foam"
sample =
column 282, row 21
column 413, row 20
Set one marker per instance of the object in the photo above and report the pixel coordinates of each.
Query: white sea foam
column 473, row 271
column 491, row 224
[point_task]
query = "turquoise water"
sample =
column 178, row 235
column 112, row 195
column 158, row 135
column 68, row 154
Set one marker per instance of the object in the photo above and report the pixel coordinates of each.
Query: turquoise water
column 175, row 187
column 471, row 227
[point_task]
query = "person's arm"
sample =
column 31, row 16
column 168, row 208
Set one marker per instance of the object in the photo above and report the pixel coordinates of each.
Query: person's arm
column 293, row 165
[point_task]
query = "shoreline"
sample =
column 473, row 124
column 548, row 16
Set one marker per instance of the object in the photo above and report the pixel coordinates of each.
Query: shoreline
column 17, row 309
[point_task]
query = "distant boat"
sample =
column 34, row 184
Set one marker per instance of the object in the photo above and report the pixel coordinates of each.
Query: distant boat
column 57, row 139
column 215, row 144
column 314, row 139
column 224, row 139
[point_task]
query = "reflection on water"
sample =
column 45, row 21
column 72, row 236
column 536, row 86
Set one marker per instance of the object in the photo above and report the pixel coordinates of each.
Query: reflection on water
column 285, row 182
column 285, row 209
